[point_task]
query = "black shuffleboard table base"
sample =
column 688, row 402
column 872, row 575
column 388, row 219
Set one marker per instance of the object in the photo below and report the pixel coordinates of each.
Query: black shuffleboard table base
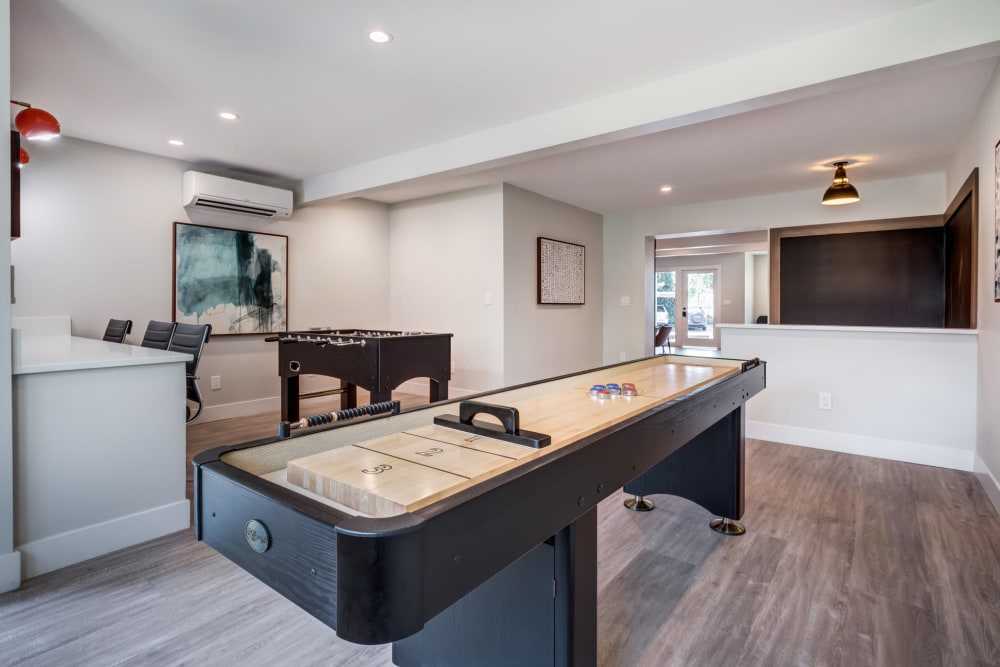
column 380, row 580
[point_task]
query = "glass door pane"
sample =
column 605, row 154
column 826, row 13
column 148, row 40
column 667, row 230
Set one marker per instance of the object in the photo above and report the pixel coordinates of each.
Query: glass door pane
column 666, row 301
column 700, row 305
column 699, row 290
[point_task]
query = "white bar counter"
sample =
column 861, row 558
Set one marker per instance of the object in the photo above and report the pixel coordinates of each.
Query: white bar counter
column 46, row 354
column 99, row 448
column 907, row 394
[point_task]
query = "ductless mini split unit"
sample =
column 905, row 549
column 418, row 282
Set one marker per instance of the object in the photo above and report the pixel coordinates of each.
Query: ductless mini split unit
column 208, row 193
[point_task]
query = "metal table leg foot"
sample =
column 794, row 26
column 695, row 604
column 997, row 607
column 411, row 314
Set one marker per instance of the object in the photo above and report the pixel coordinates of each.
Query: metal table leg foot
column 727, row 526
column 639, row 504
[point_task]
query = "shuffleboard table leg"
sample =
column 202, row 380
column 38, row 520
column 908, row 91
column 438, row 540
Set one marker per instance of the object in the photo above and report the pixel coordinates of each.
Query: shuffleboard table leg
column 639, row 504
column 540, row 611
column 708, row 469
column 576, row 593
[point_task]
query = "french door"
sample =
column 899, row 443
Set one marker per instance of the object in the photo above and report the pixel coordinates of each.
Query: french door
column 687, row 300
column 699, row 292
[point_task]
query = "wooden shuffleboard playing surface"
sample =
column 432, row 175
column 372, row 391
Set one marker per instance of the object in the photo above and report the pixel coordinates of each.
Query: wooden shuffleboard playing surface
column 405, row 471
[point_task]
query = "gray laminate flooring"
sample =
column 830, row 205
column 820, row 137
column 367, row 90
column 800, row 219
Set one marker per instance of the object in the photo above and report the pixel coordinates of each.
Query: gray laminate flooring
column 847, row 561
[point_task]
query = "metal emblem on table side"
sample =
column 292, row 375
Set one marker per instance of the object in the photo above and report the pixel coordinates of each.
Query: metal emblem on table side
column 257, row 536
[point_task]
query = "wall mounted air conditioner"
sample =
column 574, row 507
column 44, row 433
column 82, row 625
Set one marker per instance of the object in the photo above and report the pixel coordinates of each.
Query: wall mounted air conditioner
column 205, row 192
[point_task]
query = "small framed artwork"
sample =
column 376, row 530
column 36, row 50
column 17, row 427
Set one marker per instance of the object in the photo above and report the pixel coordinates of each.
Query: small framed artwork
column 561, row 272
column 996, row 222
column 235, row 280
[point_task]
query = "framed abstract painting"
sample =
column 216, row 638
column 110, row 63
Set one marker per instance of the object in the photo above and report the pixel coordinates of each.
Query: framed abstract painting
column 996, row 222
column 561, row 272
column 235, row 280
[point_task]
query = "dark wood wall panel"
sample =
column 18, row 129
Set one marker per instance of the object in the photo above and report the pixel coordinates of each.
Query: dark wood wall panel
column 15, row 185
column 958, row 240
column 874, row 278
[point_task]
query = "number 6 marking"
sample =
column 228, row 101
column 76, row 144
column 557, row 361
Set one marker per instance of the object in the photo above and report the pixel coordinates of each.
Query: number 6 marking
column 431, row 452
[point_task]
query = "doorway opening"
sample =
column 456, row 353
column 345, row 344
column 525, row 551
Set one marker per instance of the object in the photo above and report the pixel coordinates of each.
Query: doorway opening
column 687, row 300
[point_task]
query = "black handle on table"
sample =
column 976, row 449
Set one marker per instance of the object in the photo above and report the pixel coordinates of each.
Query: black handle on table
column 509, row 418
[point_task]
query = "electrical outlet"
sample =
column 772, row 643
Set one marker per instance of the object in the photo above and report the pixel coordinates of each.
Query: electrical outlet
column 825, row 401
column 626, row 301
column 216, row 382
column 488, row 298
column 621, row 356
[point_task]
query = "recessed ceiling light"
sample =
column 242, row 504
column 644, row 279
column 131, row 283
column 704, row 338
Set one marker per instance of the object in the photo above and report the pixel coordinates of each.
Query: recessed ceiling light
column 379, row 36
column 228, row 115
column 175, row 142
column 666, row 188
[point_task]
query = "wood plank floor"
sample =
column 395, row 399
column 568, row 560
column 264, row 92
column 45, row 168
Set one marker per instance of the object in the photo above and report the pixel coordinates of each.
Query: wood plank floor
column 847, row 561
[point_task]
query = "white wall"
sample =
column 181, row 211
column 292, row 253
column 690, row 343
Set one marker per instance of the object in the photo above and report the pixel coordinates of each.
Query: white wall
column 445, row 255
column 761, row 285
column 899, row 394
column 732, row 276
column 547, row 340
column 625, row 236
column 748, row 286
column 977, row 150
column 97, row 243
column 10, row 561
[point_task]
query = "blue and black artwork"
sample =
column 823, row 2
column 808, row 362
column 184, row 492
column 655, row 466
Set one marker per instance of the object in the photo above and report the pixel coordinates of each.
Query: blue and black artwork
column 231, row 279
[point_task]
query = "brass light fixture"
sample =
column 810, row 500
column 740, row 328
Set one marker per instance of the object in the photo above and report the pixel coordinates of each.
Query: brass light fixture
column 841, row 191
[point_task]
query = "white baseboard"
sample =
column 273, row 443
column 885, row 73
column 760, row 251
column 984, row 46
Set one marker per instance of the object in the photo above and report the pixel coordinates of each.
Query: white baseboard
column 851, row 443
column 58, row 551
column 988, row 480
column 10, row 571
column 214, row 413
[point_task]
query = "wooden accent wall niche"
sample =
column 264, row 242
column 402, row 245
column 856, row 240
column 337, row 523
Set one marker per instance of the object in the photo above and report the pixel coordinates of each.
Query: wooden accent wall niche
column 871, row 273
column 961, row 236
column 15, row 185
column 900, row 272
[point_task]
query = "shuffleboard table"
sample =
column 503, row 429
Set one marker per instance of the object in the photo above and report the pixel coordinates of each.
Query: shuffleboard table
column 465, row 532
column 378, row 361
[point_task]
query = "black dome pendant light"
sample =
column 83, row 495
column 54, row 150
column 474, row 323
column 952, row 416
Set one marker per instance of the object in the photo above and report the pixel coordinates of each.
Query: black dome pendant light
column 841, row 191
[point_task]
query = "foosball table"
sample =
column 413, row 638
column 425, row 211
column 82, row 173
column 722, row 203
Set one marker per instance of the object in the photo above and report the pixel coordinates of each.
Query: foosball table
column 465, row 532
column 378, row 361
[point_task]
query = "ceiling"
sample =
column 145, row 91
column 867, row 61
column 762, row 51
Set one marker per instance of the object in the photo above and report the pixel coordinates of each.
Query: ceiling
column 589, row 102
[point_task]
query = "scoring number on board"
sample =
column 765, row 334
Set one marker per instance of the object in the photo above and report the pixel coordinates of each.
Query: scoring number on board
column 431, row 451
column 382, row 467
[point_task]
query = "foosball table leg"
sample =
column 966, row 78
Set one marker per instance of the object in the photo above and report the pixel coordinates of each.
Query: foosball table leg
column 349, row 396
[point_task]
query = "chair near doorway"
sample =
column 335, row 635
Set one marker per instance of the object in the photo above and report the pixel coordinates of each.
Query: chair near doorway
column 191, row 339
column 117, row 330
column 158, row 334
column 661, row 339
